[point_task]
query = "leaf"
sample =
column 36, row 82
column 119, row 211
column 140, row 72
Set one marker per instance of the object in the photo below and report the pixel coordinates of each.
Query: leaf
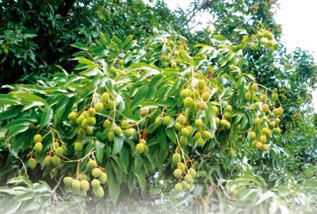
column 47, row 116
column 16, row 130
column 113, row 185
column 117, row 146
column 7, row 99
column 100, row 150
column 140, row 95
column 187, row 58
column 141, row 179
column 29, row 97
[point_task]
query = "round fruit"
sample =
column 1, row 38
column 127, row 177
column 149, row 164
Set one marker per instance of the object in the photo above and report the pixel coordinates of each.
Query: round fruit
column 78, row 146
column 56, row 160
column 272, row 124
column 178, row 187
column 32, row 163
column 263, row 139
column 176, row 158
column 258, row 145
column 217, row 121
column 181, row 166
column 96, row 172
column 99, row 192
column 143, row 141
column 188, row 102
column 207, row 135
column 47, row 160
column 265, row 147
column 189, row 179
column 59, row 151
column 166, row 120
column 248, row 96
column 76, row 185
column 68, row 181
column 72, row 116
column 91, row 164
column 205, row 96
column 254, row 87
column 198, row 122
column 103, row 178
column 110, row 104
column 91, row 121
column 201, row 84
column 227, row 114
column 99, row 107
column 277, row 131
column 202, row 106
column 95, row 183
column 128, row 132
column 200, row 142
column 228, row 108
column 265, row 108
column 274, row 97
column 80, row 119
column 38, row 138
column 89, row 130
column 231, row 152
column 140, row 147
column 38, row 147
column 117, row 130
column 106, row 123
column 185, row 185
column 182, row 119
column 277, row 121
column 143, row 112
column 192, row 172
column 183, row 140
column 84, row 123
column 111, row 136
column 185, row 93
column 158, row 120
column 105, row 97
column 280, row 111
column 91, row 111
column 263, row 97
column 185, row 132
column 257, row 121
column 124, row 124
column 252, row 135
column 177, row 173
column 198, row 135
column 84, row 185
column 82, row 177
column 253, row 46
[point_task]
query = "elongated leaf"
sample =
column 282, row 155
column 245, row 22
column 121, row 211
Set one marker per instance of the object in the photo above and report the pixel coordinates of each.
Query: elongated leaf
column 47, row 116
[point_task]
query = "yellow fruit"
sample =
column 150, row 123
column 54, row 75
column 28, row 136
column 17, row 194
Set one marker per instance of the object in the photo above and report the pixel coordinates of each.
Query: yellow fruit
column 263, row 139
column 217, row 121
column 72, row 116
column 198, row 135
column 185, row 185
column 185, row 132
column 99, row 192
column 103, row 178
column 232, row 152
column 84, row 123
column 254, row 87
column 143, row 112
column 274, row 97
column 91, row 164
column 105, row 97
column 263, row 97
column 177, row 173
column 89, row 130
column 56, row 160
column 185, row 93
column 277, row 121
column 181, row 166
column 198, row 122
column 96, row 172
column 201, row 84
column 110, row 104
column 76, row 185
column 32, row 163
column 265, row 147
column 59, row 151
column 202, row 106
column 95, row 183
column 178, row 187
column 68, row 181
column 82, row 177
column 258, row 145
column 158, row 120
column 253, row 46
column 207, row 135
column 117, row 130
column 166, row 120
column 188, row 102
column 247, row 96
column 257, row 121
column 176, row 158
column 205, row 96
column 272, row 124
column 37, row 138
column 91, row 121
column 252, row 135
column 124, row 124
column 78, row 146
column 276, row 131
column 227, row 114
column 111, row 136
column 38, row 147
column 183, row 140
column 84, row 185
column 91, row 111
column 280, row 111
column 178, row 126
column 182, row 119
column 128, row 132
column 140, row 147
column 189, row 179
column 192, row 172
column 200, row 142
column 99, row 107
column 228, row 108
column 47, row 160
column 265, row 108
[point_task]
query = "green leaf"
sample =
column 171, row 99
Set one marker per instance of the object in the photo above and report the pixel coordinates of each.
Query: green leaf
column 117, row 146
column 113, row 185
column 140, row 95
column 16, row 130
column 100, row 150
column 187, row 58
column 47, row 116
column 30, row 97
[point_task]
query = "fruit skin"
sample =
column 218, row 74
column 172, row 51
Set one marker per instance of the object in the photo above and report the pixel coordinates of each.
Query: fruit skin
column 56, row 160
column 95, row 183
column 143, row 141
column 247, row 96
column 117, row 130
column 254, row 87
column 201, row 84
column 177, row 173
column 274, row 97
column 257, row 121
column 189, row 179
column 166, row 120
column 38, row 138
column 105, row 97
column 228, row 108
column 263, row 139
column 207, row 135
column 124, row 124
column 225, row 123
column 200, row 142
column 276, row 131
column 185, row 93
column 181, row 166
column 205, row 96
column 140, row 147
column 198, row 122
column 76, row 185
column 258, row 145
column 252, row 135
column 96, row 172
column 47, row 160
column 32, row 163
column 38, row 147
column 202, row 106
column 91, row 121
column 106, row 123
column 99, row 107
column 176, row 158
column 91, row 111
column 99, row 192
column 178, row 187
column 91, row 164
column 265, row 108
column 192, row 172
column 103, row 178
column 143, row 112
column 128, row 132
column 185, row 132
column 59, row 151
column 227, row 114
column 78, row 146
column 265, row 147
column 263, row 98
column 111, row 136
column 182, row 119
column 72, row 116
column 188, row 102
column 84, row 185
column 68, row 181
column 158, row 120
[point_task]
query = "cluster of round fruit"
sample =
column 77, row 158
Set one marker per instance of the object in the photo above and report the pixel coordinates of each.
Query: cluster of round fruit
column 171, row 56
column 264, row 37
column 81, row 183
column 116, row 130
column 184, row 175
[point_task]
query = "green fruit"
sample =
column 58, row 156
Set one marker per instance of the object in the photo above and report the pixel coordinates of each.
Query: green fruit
column 200, row 142
column 198, row 122
column 89, row 130
column 143, row 141
column 215, row 110
column 72, row 116
column 106, row 123
column 227, row 114
column 103, row 178
column 265, row 147
column 32, row 163
column 185, row 132
column 76, row 185
column 205, row 96
column 110, row 104
column 252, row 135
column 38, row 147
column 178, row 187
column 117, row 130
column 99, row 192
column 177, row 173
column 263, row 97
column 91, row 111
column 198, row 135
column 192, row 172
column 207, row 135
column 188, row 102
column 111, row 136
column 158, row 120
column 277, row 131
column 37, row 138
column 128, row 132
column 185, row 93
column 96, row 172
column 56, row 160
column 253, row 46
column 178, row 126
column 105, row 97
column 82, row 177
column 274, row 97
column 181, row 119
column 91, row 121
column 176, row 158
column 181, row 166
column 78, row 146
column 59, row 151
column 257, row 121
column 140, row 147
column 91, row 164
column 80, row 119
column 166, row 121
column 68, row 181
column 47, row 160
column 84, row 123
column 183, row 140
column 263, row 139
column 189, row 179
column 217, row 121
column 228, row 108
column 84, row 185
column 124, row 124
column 99, row 107
column 186, row 186
column 190, row 129
column 95, row 183
column 201, row 84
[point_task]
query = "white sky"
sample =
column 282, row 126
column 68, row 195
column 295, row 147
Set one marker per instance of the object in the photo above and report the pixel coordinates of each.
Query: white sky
column 297, row 17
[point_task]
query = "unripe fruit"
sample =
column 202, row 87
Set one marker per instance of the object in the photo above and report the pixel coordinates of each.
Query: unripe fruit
column 200, row 142
column 217, row 121
column 201, row 84
column 252, row 135
column 82, row 177
column 258, row 145
column 56, row 160
column 231, row 152
column 124, row 124
column 78, row 146
column 76, row 185
column 91, row 111
column 103, row 178
column 198, row 122
column 72, row 116
column 185, row 93
column 111, row 136
column 79, row 119
column 205, row 96
column 188, row 102
column 202, row 106
column 47, row 160
column 225, row 123
column 181, row 166
column 228, row 108
column 89, row 130
column 96, row 172
column 106, row 123
column 263, row 139
column 178, row 126
column 38, row 138
column 176, row 158
column 198, row 135
column 280, row 111
column 177, row 173
column 105, row 97
column 254, row 87
column 183, row 140
column 182, row 119
column 140, row 147
column 227, row 114
column 174, row 64
column 38, row 147
column 91, row 121
column 253, row 143
column 277, row 121
column 68, row 181
column 263, row 97
column 95, row 183
column 128, row 132
column 207, row 135
column 117, row 130
column 265, row 147
column 252, row 46
column 186, row 186
column 274, row 97
column 32, row 163
column 166, row 120
column 99, row 107
column 257, row 121
column 192, row 172
column 84, row 185
column 59, row 151
column 189, row 179
column 178, row 187
column 110, row 104
column 99, row 192
column 272, row 124
column 143, row 112
column 247, row 96
column 158, row 120
column 185, row 132
column 84, row 123
column 277, row 131
column 265, row 108
column 91, row 164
